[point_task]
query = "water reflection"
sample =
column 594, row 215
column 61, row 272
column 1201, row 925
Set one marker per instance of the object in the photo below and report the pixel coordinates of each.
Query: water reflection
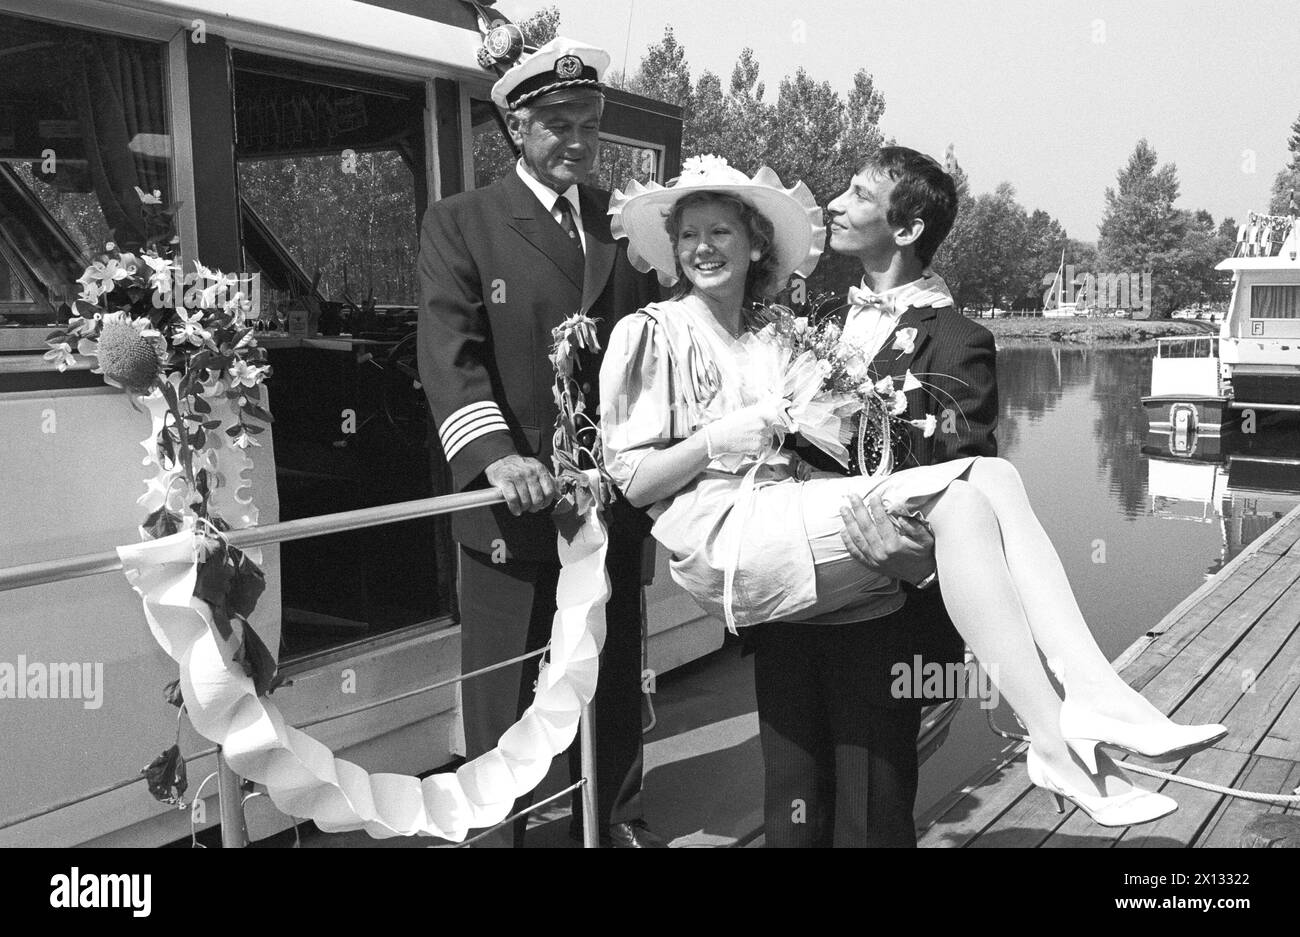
column 1137, row 533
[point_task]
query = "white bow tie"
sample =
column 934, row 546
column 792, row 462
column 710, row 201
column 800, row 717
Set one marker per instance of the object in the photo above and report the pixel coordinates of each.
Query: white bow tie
column 861, row 298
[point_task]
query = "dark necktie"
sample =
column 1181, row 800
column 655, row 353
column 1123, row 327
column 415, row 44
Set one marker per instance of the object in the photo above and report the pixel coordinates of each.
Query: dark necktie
column 565, row 208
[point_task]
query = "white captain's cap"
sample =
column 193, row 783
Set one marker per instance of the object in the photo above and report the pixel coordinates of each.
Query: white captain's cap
column 562, row 70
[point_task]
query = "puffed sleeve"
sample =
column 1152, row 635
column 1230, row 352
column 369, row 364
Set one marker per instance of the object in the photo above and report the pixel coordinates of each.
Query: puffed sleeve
column 636, row 396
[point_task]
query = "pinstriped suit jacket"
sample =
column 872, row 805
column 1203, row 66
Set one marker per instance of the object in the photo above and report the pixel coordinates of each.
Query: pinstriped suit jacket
column 957, row 358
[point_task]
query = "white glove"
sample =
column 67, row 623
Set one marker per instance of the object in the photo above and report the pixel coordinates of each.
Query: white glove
column 747, row 431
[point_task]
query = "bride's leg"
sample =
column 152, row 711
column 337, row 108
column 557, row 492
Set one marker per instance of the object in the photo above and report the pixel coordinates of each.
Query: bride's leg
column 1057, row 624
column 985, row 606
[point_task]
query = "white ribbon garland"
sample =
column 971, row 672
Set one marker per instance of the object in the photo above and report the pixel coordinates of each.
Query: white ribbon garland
column 301, row 775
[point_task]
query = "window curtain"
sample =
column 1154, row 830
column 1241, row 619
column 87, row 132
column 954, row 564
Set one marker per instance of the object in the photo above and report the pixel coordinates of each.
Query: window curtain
column 1275, row 302
column 117, row 94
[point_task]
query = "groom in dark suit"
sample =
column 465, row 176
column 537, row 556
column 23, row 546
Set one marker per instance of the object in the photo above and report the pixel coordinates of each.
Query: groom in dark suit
column 839, row 746
column 499, row 268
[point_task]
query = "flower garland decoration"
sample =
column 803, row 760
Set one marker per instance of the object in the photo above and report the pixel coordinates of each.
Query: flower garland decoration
column 182, row 344
column 575, row 445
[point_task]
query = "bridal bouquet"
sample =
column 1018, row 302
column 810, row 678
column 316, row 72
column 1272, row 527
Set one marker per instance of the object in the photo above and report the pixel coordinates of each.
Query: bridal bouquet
column 834, row 397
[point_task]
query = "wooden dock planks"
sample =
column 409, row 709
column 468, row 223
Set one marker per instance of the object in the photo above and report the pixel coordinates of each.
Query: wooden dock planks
column 1229, row 653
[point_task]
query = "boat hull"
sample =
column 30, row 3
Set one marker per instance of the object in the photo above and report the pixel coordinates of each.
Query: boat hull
column 1186, row 413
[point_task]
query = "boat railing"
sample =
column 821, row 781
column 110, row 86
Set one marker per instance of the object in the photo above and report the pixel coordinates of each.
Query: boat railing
column 1188, row 346
column 230, row 797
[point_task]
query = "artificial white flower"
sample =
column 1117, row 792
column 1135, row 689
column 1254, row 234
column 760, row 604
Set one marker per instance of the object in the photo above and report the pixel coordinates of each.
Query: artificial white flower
column 910, row 382
column 204, row 297
column 237, row 306
column 856, row 365
column 927, row 426
column 905, row 341
column 106, row 274
column 900, row 403
column 162, row 269
column 61, row 355
column 885, row 387
column 243, row 441
column 90, row 288
column 243, row 374
column 191, row 330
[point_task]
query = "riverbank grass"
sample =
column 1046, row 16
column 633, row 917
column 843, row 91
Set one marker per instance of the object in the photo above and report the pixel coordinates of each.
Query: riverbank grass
column 1081, row 330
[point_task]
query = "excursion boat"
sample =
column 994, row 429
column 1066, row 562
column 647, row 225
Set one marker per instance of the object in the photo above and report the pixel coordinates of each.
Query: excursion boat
column 270, row 125
column 1199, row 385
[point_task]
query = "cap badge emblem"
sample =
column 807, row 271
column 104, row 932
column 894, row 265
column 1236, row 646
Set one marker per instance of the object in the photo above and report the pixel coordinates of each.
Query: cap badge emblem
column 568, row 67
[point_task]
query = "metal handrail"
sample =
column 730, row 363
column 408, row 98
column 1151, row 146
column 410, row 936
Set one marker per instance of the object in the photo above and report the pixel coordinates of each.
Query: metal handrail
column 92, row 564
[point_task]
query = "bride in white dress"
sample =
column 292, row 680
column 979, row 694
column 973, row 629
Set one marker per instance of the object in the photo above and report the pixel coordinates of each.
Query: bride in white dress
column 690, row 409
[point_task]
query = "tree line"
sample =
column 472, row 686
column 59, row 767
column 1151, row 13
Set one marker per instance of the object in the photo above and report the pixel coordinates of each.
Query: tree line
column 999, row 253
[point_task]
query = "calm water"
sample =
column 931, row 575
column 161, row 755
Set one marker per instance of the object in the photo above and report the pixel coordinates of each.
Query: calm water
column 1072, row 422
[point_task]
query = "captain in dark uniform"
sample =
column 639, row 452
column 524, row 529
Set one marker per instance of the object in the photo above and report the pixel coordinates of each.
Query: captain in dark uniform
column 499, row 268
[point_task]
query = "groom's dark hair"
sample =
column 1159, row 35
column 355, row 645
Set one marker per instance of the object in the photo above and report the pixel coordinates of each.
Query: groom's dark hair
column 921, row 190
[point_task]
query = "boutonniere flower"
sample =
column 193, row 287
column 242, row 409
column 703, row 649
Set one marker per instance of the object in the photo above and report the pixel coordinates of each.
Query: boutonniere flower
column 910, row 383
column 927, row 426
column 905, row 340
column 900, row 403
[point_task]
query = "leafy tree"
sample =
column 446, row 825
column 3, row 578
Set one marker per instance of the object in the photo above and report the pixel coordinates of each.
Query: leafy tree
column 995, row 272
column 1045, row 243
column 809, row 132
column 665, row 75
column 541, row 27
column 1287, row 183
column 1142, row 230
column 958, row 257
column 1140, row 219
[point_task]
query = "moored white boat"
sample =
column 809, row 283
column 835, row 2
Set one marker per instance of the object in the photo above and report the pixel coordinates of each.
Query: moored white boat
column 1199, row 385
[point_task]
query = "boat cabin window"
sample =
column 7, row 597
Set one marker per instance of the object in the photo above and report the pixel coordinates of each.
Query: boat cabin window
column 331, row 180
column 331, row 175
column 493, row 153
column 1275, row 302
column 621, row 162
column 83, row 132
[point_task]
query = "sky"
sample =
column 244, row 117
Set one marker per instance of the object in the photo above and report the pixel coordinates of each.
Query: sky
column 1049, row 95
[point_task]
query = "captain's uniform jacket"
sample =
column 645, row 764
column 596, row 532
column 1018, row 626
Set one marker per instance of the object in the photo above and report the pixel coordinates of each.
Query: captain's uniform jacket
column 499, row 273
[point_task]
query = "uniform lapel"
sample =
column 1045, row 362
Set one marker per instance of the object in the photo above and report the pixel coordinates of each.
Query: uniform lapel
column 600, row 247
column 539, row 229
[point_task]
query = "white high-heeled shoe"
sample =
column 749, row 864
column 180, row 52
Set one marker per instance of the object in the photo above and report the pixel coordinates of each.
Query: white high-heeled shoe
column 1127, row 809
column 1084, row 731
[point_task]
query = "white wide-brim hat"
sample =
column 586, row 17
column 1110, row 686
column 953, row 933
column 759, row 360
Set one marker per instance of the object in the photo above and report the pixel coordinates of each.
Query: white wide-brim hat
column 640, row 213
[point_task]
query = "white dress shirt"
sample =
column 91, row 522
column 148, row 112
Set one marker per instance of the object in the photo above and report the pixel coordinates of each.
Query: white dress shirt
column 869, row 326
column 549, row 198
